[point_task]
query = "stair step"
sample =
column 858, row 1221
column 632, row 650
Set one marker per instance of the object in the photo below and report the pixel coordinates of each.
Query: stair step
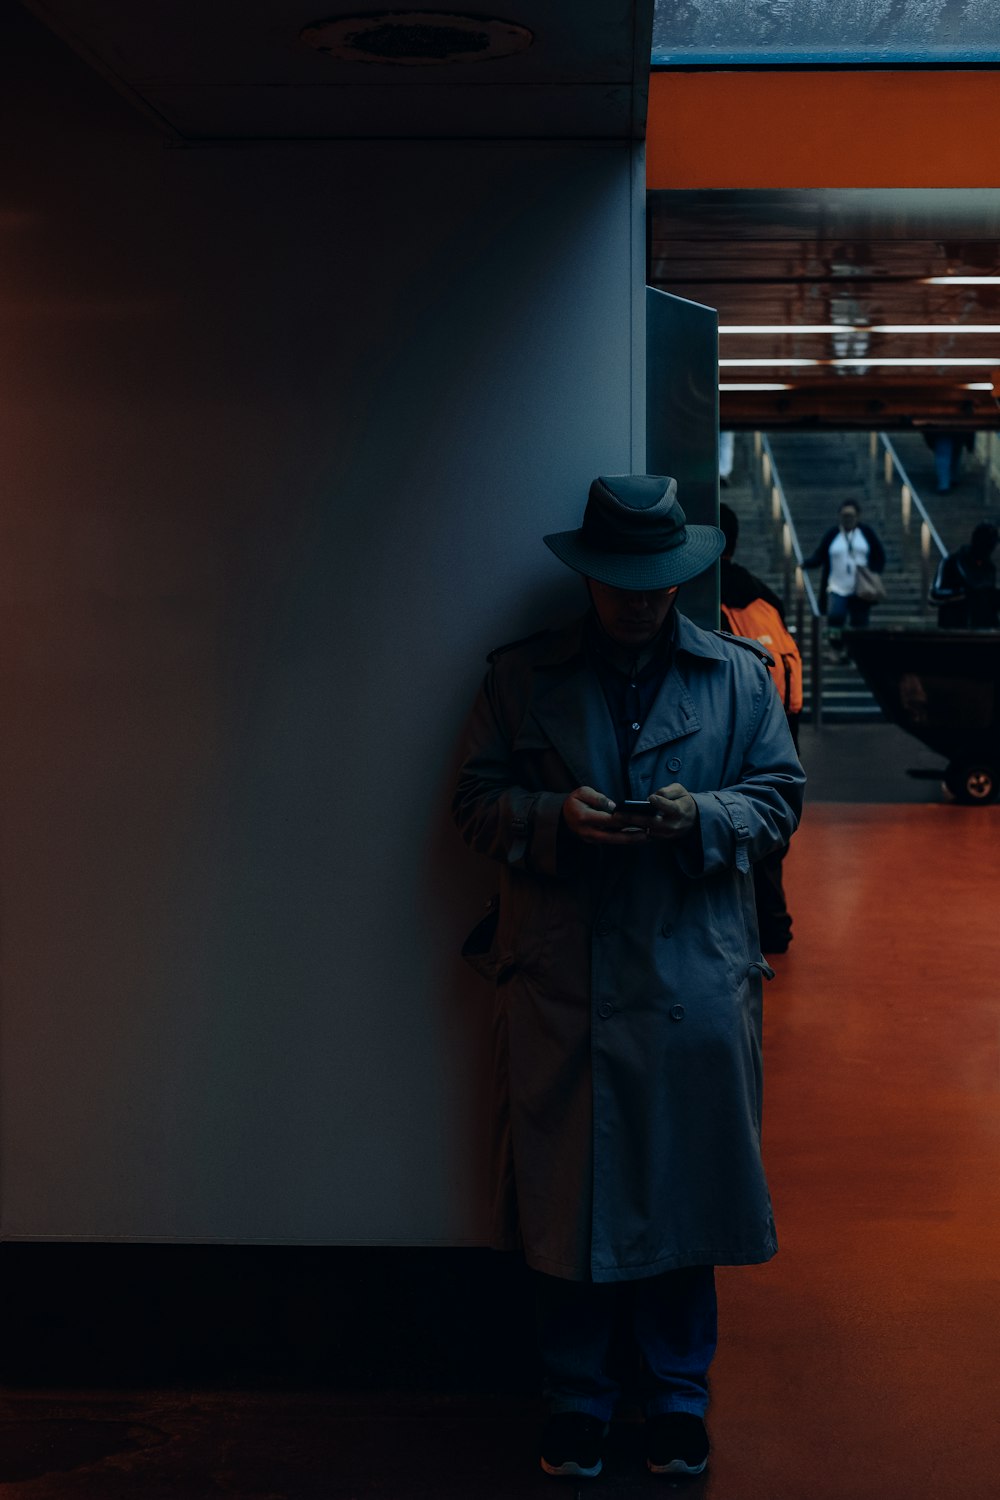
column 818, row 472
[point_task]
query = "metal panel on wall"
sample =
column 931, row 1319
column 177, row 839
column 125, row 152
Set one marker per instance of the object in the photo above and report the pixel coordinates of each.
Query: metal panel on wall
column 682, row 422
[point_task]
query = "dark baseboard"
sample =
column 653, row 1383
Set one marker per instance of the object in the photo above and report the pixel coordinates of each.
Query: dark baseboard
column 266, row 1317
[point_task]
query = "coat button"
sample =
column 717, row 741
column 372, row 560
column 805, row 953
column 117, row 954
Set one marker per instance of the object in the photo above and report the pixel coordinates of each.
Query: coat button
column 677, row 1013
column 673, row 764
column 667, row 929
column 605, row 1009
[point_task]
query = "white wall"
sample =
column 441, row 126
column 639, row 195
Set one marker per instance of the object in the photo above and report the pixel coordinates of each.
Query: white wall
column 281, row 428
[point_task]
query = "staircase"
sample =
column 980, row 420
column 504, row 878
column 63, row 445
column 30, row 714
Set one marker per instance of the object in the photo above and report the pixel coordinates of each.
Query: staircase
column 966, row 504
column 819, row 471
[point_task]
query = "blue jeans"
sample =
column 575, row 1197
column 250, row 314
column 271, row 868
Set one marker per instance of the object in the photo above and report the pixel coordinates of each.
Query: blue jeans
column 947, row 458
column 673, row 1323
column 840, row 607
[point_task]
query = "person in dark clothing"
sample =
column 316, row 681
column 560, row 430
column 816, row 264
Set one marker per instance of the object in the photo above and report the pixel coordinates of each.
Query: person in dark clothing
column 947, row 449
column 624, row 772
column 738, row 590
column 965, row 588
column 738, row 587
column 841, row 551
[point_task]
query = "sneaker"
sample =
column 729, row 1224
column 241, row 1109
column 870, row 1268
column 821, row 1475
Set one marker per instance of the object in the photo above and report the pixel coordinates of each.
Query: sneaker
column 676, row 1443
column 573, row 1443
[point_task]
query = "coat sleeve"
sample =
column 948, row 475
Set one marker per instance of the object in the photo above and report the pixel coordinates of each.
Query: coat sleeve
column 760, row 811
column 495, row 816
column 876, row 559
column 821, row 555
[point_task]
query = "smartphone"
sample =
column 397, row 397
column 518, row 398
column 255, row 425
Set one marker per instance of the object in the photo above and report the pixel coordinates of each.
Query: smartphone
column 644, row 809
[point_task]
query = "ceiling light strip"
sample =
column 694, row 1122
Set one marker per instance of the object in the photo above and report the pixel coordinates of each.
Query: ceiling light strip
column 764, row 364
column 935, row 328
column 766, row 385
column 739, row 329
column 863, row 359
column 931, row 361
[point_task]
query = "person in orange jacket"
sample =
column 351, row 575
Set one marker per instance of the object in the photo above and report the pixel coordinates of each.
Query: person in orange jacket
column 749, row 607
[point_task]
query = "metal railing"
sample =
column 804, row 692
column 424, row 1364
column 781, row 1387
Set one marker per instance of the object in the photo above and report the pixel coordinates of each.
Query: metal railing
column 798, row 589
column 910, row 501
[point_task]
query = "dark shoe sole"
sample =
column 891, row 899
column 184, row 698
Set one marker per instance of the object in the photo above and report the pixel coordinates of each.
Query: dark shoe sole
column 575, row 1470
column 677, row 1466
column 571, row 1469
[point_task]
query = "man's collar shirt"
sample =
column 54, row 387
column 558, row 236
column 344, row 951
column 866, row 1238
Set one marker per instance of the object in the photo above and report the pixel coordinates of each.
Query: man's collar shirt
column 630, row 680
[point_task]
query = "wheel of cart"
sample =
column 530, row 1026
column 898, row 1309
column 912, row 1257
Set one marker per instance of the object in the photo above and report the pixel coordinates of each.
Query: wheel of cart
column 943, row 687
column 975, row 785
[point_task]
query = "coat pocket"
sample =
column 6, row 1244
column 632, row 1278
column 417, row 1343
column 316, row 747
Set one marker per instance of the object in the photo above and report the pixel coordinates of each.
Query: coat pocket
column 536, row 763
column 480, row 947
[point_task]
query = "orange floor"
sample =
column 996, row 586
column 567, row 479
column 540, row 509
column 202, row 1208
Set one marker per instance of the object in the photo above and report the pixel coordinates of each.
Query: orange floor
column 865, row 1360
column 863, row 1363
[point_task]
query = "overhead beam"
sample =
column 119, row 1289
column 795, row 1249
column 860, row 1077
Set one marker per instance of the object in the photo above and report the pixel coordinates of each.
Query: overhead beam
column 823, row 129
column 863, row 405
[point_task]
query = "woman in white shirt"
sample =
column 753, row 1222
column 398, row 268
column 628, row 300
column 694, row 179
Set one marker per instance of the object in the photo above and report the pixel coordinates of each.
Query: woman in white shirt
column 841, row 551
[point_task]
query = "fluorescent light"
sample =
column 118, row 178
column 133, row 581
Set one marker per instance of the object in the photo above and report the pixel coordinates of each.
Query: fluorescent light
column 961, row 280
column 738, row 328
column 857, row 359
column 760, row 385
column 936, row 328
column 808, row 328
column 867, row 359
column 746, row 363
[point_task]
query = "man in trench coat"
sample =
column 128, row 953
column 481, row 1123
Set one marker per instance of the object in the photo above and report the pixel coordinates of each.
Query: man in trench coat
column 627, row 1064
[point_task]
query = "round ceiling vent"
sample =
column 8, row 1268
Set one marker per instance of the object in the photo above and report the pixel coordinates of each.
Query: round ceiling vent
column 416, row 38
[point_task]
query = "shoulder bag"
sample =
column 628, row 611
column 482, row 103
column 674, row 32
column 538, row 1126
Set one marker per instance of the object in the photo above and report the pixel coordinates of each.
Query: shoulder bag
column 868, row 586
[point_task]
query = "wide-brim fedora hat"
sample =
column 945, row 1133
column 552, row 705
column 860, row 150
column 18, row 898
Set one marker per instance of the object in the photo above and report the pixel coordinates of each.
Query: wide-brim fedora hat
column 635, row 535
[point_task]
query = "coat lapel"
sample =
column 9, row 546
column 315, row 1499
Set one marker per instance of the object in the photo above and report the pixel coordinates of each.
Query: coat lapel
column 571, row 710
column 673, row 717
column 569, row 707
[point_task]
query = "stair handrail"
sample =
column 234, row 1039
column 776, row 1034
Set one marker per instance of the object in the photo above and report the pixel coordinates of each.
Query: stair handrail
column 910, row 496
column 804, row 591
column 904, row 479
column 791, row 539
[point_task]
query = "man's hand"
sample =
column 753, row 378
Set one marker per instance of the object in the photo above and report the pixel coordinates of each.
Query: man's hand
column 591, row 817
column 675, row 812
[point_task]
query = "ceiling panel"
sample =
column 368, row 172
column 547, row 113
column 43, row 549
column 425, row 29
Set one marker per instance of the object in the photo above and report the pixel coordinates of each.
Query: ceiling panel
column 855, row 260
column 228, row 71
column 389, row 111
column 258, row 41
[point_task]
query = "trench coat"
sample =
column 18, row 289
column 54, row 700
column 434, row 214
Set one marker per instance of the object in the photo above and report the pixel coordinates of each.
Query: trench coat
column 627, row 1032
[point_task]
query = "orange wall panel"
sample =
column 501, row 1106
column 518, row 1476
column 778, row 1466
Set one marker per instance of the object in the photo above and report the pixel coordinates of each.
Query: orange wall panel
column 823, row 129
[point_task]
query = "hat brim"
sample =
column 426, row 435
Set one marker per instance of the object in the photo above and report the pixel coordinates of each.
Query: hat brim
column 640, row 570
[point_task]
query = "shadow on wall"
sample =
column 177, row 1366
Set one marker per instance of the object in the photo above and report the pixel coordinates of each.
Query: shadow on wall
column 460, row 883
